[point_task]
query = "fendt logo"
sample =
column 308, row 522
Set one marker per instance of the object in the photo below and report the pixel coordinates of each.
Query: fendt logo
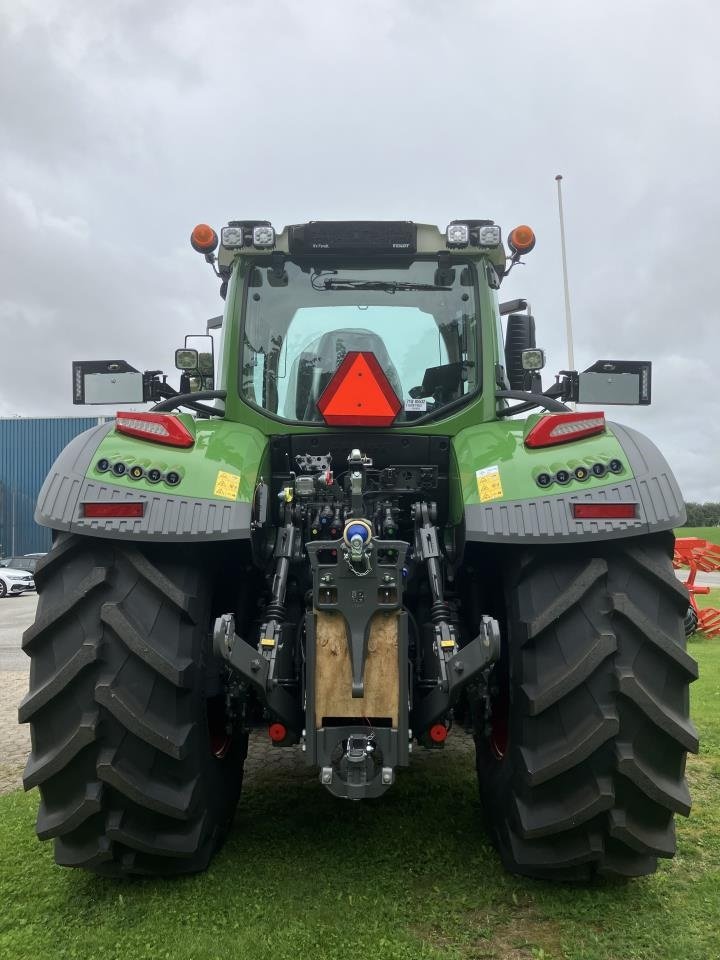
column 400, row 246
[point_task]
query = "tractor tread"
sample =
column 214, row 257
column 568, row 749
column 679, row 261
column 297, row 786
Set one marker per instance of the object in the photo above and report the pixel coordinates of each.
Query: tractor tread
column 588, row 800
column 540, row 696
column 175, row 802
column 170, row 738
column 665, row 791
column 680, row 728
column 121, row 750
column 184, row 604
column 599, row 726
column 55, row 823
column 170, row 843
column 568, row 598
column 542, row 764
column 623, row 605
column 659, row 841
column 40, row 767
column 178, row 673
column 58, row 681
column 48, row 621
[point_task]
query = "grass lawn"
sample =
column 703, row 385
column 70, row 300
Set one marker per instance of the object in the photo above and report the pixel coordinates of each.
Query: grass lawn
column 711, row 599
column 704, row 533
column 307, row 877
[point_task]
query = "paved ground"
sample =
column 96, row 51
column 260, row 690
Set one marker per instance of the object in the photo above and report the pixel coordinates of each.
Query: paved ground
column 16, row 613
column 14, row 739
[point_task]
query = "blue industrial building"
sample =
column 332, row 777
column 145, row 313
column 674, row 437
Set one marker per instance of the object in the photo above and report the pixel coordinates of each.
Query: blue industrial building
column 28, row 448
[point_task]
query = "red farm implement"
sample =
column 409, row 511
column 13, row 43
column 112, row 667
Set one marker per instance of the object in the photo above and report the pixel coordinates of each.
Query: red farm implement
column 699, row 556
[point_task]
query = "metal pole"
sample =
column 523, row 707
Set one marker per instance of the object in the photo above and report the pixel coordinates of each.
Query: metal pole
column 568, row 314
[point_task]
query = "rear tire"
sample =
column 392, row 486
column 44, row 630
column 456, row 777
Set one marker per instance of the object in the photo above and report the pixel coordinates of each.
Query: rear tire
column 592, row 691
column 120, row 676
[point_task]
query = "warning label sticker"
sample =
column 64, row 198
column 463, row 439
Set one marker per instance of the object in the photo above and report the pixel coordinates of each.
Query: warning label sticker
column 488, row 484
column 227, row 485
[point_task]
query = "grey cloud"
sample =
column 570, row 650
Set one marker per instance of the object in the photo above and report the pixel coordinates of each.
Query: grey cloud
column 127, row 123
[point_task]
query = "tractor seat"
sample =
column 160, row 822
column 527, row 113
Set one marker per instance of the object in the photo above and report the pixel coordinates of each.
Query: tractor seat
column 313, row 369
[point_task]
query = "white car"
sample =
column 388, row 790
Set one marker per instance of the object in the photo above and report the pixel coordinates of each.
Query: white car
column 14, row 582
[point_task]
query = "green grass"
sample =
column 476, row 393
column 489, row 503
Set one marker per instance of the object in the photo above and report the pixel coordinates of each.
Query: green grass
column 411, row 876
column 711, row 599
column 704, row 533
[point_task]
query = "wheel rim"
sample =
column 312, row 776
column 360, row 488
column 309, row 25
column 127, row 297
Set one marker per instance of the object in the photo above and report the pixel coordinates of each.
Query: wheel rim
column 220, row 739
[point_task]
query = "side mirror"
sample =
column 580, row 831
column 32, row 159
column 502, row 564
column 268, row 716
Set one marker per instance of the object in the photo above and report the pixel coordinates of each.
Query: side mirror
column 107, row 382
column 206, row 364
column 611, row 381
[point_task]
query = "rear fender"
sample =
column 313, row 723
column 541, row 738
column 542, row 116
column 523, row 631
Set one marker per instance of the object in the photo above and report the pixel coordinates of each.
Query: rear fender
column 503, row 502
column 212, row 500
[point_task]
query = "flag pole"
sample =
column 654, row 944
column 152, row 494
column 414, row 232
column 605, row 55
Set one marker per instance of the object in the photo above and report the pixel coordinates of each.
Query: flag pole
column 568, row 314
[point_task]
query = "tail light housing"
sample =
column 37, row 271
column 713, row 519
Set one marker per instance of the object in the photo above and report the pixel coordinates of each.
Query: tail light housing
column 157, row 427
column 104, row 510
column 556, row 428
column 604, row 511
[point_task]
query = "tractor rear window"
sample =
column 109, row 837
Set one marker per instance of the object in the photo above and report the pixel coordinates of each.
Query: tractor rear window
column 419, row 320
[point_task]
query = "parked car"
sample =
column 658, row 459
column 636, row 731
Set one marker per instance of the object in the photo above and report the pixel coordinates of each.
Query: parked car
column 14, row 581
column 29, row 562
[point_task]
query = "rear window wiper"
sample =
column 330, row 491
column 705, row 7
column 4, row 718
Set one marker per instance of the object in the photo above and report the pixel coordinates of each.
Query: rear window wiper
column 386, row 286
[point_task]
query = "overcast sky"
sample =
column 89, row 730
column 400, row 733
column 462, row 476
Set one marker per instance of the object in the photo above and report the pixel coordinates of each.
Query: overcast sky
column 122, row 124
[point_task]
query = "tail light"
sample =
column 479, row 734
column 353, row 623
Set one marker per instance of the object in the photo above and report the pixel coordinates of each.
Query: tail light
column 158, row 427
column 277, row 732
column 110, row 509
column 556, row 428
column 604, row 511
column 438, row 733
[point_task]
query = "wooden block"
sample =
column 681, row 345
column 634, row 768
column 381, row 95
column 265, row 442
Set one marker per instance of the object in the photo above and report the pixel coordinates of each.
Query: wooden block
column 333, row 673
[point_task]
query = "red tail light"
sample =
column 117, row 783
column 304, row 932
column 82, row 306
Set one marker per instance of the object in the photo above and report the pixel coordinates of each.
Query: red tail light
column 359, row 394
column 438, row 733
column 556, row 428
column 114, row 509
column 277, row 732
column 158, row 427
column 604, row 511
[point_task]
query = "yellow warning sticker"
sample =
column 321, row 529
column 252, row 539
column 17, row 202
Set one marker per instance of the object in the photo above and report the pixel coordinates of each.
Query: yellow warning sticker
column 227, row 485
column 488, row 484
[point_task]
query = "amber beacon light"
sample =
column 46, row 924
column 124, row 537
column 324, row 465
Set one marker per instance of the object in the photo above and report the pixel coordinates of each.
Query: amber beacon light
column 521, row 239
column 203, row 238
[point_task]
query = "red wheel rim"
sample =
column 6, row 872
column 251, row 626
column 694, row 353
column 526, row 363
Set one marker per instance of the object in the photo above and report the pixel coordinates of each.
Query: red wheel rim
column 220, row 739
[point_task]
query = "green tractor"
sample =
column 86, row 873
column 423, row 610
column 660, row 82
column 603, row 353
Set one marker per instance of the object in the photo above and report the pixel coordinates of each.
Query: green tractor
column 361, row 524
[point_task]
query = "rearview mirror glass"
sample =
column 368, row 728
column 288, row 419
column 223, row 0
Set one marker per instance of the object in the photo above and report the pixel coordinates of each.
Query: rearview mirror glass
column 615, row 381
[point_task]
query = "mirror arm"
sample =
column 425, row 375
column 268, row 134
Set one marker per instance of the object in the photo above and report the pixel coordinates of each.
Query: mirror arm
column 191, row 400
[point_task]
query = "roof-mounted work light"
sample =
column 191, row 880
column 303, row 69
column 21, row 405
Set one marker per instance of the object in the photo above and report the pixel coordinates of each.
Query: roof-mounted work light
column 263, row 236
column 476, row 233
column 232, row 237
column 246, row 233
column 458, row 235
